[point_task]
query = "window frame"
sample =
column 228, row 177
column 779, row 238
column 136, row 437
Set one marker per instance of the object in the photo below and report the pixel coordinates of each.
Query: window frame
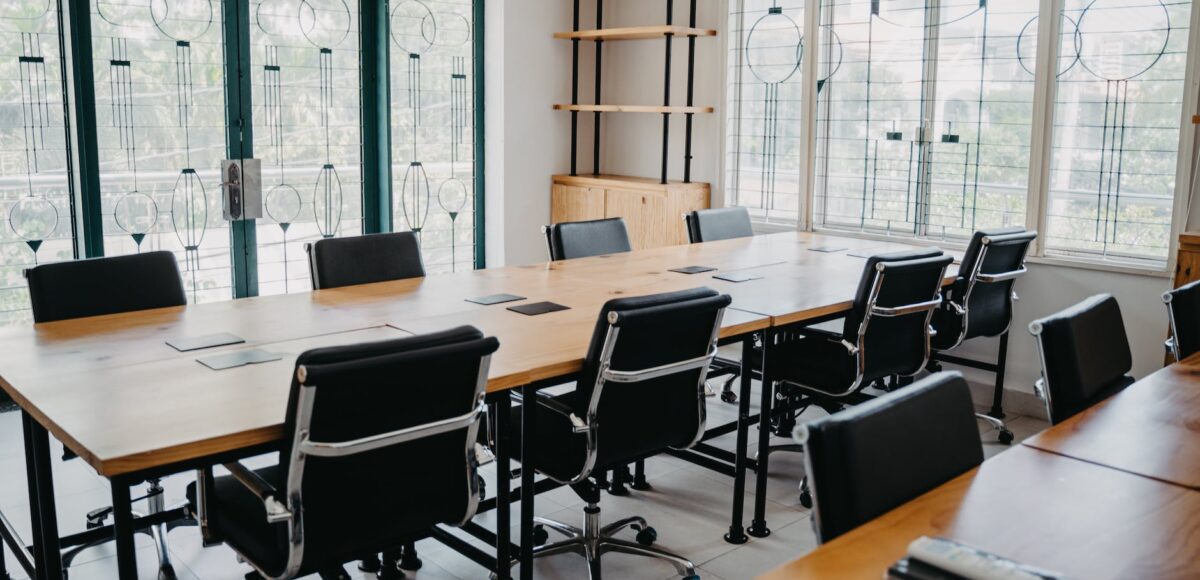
column 1041, row 150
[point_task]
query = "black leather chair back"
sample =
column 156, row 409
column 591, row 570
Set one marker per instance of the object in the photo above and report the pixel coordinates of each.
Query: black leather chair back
column 337, row 262
column 1183, row 308
column 570, row 240
column 870, row 458
column 369, row 500
column 80, row 288
column 711, row 225
column 895, row 345
column 993, row 261
column 1085, row 356
column 640, row 418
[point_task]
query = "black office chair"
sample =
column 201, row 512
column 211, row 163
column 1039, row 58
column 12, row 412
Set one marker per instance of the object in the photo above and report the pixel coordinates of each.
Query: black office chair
column 904, row 444
column 1183, row 312
column 885, row 336
column 570, row 240
column 82, row 288
column 641, row 391
column 1085, row 356
column 337, row 262
column 380, row 448
column 980, row 304
column 711, row 225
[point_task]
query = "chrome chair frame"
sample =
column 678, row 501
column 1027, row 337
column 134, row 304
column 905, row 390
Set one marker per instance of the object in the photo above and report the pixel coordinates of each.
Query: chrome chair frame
column 303, row 446
column 593, row 539
column 1041, row 387
column 857, row 348
column 978, row 277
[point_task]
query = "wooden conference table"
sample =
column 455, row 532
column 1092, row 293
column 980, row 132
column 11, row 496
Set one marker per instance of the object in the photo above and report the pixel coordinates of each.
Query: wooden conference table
column 1113, row 492
column 132, row 407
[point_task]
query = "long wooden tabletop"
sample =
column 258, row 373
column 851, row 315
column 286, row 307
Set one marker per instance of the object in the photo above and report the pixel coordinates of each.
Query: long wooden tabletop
column 112, row 390
column 1038, row 508
column 1152, row 428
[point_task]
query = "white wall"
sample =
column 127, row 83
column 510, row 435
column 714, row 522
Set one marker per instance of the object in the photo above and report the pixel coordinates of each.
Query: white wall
column 527, row 142
column 526, row 72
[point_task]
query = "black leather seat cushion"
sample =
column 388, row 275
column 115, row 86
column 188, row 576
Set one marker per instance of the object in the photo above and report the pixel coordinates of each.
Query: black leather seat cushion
column 238, row 516
column 815, row 361
column 558, row 452
column 870, row 458
column 337, row 262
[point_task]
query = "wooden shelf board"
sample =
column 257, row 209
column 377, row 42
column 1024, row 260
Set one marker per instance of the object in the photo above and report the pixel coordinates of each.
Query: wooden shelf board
column 622, row 182
column 635, row 33
column 631, row 109
column 1196, row 119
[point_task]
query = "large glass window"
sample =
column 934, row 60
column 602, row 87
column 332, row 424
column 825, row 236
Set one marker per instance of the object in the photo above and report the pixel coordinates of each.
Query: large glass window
column 924, row 128
column 1116, row 128
column 762, row 165
column 159, row 71
column 433, row 128
column 307, row 97
column 34, row 185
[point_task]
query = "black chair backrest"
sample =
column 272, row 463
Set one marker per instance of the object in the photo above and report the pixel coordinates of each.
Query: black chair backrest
column 866, row 460
column 79, row 288
column 1085, row 356
column 570, row 240
column 638, row 418
column 378, row 497
column 895, row 343
column 711, row 225
column 337, row 262
column 993, row 261
column 1183, row 309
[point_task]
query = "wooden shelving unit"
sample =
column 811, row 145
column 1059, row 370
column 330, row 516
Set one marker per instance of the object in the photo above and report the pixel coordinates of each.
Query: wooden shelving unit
column 651, row 206
column 635, row 33
column 633, row 109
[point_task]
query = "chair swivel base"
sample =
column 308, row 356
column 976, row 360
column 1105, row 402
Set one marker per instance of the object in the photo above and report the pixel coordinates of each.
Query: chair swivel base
column 595, row 540
column 158, row 533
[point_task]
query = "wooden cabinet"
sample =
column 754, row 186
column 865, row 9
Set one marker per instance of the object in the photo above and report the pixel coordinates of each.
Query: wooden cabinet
column 1187, row 263
column 652, row 211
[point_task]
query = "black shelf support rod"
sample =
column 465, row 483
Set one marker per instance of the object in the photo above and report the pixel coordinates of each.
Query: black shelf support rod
column 575, row 94
column 687, row 143
column 596, row 115
column 667, row 93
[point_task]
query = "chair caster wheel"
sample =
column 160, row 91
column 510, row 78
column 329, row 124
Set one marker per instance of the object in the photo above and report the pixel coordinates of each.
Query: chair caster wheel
column 728, row 397
column 371, row 565
column 692, row 577
column 647, row 536
column 540, row 535
column 166, row 572
column 806, row 499
column 1006, row 436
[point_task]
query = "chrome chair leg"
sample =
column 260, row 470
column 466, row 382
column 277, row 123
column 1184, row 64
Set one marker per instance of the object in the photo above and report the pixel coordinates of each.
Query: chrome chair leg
column 682, row 565
column 564, row 529
column 619, row 525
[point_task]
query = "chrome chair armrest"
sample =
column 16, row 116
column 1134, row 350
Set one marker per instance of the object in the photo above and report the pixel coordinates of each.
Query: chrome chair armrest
column 578, row 425
column 1039, row 388
column 276, row 511
column 1169, row 345
column 907, row 308
column 1001, row 276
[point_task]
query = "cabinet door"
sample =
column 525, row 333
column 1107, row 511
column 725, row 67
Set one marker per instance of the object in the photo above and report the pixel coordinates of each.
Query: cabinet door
column 569, row 203
column 646, row 215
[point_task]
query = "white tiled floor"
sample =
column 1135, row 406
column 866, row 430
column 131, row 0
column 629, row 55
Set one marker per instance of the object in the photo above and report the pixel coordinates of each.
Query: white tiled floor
column 689, row 506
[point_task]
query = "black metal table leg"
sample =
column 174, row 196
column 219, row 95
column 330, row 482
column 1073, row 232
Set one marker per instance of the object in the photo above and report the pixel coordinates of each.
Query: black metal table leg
column 758, row 526
column 737, row 534
column 123, row 529
column 528, row 434
column 503, row 408
column 44, row 517
column 998, row 396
